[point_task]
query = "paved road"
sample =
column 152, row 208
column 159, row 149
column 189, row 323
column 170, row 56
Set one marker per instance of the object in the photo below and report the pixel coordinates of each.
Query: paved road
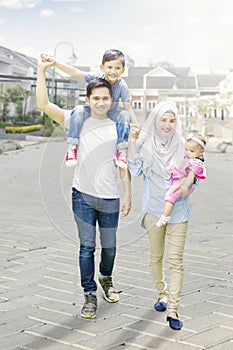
column 39, row 285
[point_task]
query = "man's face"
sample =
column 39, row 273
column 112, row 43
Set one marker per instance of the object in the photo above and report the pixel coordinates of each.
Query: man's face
column 100, row 102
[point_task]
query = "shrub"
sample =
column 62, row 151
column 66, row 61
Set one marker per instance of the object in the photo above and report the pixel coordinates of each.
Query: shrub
column 48, row 127
column 22, row 129
column 58, row 132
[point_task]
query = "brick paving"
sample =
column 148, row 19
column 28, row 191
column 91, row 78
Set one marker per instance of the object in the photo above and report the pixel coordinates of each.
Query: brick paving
column 40, row 295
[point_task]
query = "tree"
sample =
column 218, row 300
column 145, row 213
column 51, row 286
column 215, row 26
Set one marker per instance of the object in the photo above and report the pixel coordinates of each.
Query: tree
column 16, row 95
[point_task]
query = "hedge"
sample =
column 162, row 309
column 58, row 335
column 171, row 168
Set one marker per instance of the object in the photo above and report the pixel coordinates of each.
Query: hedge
column 22, row 129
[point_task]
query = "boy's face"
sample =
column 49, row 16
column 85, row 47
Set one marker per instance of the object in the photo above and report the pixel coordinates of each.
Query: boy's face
column 112, row 70
column 100, row 102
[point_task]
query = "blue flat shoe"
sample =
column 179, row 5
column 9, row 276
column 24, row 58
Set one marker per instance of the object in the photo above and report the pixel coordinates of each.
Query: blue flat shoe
column 175, row 323
column 160, row 306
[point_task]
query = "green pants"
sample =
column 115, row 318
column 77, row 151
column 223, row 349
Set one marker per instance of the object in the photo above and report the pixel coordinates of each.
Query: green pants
column 176, row 236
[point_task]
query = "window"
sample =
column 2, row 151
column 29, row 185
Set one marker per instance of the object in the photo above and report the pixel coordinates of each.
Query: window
column 137, row 105
column 151, row 105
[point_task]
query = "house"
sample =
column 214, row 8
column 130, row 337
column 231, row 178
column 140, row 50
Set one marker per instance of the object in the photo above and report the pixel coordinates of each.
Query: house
column 17, row 68
column 147, row 85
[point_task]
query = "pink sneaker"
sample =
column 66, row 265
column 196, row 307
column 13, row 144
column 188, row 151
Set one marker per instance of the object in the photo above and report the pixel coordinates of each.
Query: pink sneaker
column 121, row 159
column 71, row 156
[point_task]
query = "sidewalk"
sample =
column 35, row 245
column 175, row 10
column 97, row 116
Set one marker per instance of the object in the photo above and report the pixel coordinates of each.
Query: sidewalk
column 40, row 293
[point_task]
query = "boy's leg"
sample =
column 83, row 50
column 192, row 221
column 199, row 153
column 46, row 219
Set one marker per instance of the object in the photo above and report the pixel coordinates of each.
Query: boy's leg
column 122, row 120
column 108, row 219
column 78, row 115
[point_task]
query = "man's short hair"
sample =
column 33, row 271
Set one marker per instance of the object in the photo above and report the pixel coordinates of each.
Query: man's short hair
column 98, row 83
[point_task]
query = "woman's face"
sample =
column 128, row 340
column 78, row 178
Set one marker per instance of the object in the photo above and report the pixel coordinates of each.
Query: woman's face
column 166, row 124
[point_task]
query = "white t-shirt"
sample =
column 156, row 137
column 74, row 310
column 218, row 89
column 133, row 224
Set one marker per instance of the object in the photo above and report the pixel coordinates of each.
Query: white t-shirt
column 96, row 173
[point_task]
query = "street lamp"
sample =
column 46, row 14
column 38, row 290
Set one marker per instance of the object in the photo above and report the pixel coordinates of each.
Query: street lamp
column 53, row 71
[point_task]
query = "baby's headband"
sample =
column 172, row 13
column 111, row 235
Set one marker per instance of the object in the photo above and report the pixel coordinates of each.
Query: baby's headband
column 196, row 139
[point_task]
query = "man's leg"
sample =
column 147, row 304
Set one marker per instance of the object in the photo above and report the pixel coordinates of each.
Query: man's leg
column 85, row 216
column 108, row 219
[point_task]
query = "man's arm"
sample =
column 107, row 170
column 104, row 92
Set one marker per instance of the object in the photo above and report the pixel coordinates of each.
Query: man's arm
column 126, row 183
column 53, row 111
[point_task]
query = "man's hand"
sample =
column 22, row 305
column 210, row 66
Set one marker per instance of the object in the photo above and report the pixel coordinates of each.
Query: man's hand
column 125, row 206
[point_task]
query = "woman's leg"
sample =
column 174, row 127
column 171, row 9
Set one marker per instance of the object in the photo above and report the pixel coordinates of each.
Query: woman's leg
column 157, row 244
column 176, row 236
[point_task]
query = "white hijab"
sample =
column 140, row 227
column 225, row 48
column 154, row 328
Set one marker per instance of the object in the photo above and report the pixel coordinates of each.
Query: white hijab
column 158, row 153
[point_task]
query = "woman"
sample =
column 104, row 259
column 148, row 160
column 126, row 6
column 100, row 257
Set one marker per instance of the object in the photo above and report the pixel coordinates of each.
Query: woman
column 154, row 151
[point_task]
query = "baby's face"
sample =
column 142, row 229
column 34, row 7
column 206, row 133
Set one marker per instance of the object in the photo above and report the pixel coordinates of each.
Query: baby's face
column 193, row 149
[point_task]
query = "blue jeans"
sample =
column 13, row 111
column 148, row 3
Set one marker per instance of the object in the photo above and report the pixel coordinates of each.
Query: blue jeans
column 89, row 210
column 80, row 113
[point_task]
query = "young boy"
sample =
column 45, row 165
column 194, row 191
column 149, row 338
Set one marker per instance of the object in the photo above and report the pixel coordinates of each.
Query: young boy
column 112, row 67
column 95, row 194
column 193, row 166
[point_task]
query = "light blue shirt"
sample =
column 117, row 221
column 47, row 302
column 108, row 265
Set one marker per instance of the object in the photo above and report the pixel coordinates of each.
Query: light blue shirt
column 154, row 189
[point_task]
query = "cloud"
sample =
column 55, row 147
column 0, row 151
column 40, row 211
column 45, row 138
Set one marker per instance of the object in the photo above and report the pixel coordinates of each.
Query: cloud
column 67, row 0
column 76, row 9
column 47, row 13
column 2, row 40
column 19, row 4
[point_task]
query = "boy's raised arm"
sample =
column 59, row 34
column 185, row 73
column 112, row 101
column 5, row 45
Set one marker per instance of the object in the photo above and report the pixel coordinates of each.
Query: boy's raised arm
column 72, row 71
column 53, row 111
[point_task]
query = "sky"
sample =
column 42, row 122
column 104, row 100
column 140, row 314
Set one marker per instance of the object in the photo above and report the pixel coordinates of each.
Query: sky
column 194, row 33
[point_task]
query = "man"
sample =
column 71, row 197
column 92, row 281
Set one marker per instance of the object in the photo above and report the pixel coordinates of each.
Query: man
column 95, row 196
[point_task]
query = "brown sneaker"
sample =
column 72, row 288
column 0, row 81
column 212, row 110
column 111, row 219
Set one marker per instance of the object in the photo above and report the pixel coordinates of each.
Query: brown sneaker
column 108, row 290
column 90, row 306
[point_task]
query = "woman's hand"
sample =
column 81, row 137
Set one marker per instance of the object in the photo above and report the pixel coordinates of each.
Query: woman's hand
column 134, row 132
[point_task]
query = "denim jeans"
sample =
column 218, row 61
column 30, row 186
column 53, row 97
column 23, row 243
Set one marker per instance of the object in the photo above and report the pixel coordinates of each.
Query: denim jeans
column 80, row 113
column 88, row 211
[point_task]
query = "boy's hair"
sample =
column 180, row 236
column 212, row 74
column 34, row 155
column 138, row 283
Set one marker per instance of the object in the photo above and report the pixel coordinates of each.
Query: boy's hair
column 98, row 83
column 111, row 55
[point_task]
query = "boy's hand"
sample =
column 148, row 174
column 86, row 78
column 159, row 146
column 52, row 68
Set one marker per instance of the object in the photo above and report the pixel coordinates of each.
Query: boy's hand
column 44, row 63
column 46, row 58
